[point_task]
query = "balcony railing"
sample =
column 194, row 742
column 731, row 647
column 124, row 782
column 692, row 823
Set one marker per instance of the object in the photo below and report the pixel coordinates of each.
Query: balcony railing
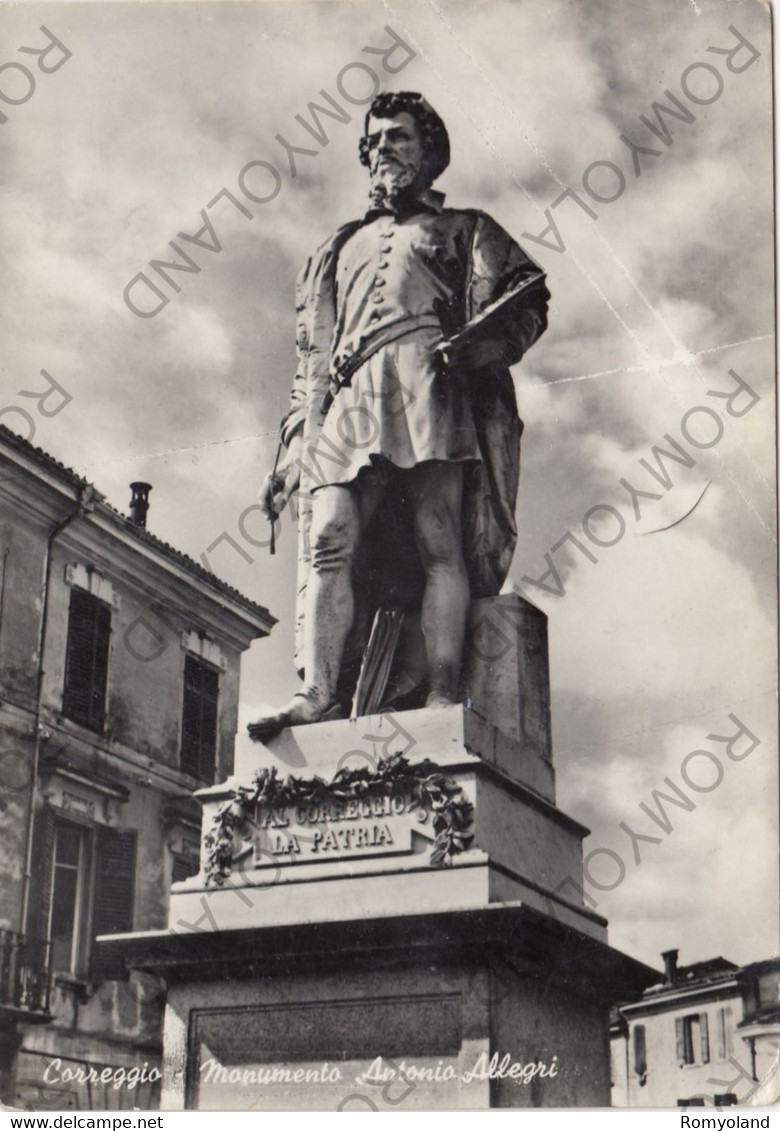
column 25, row 975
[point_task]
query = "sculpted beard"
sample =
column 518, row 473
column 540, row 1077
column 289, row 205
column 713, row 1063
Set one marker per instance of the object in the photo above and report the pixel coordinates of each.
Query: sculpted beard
column 393, row 181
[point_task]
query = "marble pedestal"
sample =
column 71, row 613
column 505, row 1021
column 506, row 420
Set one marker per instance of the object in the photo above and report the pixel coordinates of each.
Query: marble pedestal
column 337, row 968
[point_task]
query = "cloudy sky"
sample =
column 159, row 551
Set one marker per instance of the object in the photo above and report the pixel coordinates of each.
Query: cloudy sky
column 660, row 287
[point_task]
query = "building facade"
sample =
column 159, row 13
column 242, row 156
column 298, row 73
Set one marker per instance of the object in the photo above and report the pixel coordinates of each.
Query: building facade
column 707, row 1035
column 119, row 681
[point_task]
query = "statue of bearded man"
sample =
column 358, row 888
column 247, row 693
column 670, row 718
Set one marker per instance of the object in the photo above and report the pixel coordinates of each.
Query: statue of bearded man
column 402, row 437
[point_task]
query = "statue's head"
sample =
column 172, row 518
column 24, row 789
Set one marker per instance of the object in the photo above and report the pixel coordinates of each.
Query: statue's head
column 405, row 145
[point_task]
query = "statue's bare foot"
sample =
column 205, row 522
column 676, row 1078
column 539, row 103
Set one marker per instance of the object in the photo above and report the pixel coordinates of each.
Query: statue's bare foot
column 304, row 707
column 440, row 699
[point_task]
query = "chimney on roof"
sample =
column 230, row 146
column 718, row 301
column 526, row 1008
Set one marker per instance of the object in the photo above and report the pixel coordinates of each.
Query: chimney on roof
column 139, row 503
column 670, row 966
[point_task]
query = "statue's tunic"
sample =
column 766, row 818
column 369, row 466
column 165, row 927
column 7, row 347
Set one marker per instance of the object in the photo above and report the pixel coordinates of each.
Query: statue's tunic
column 372, row 303
column 399, row 405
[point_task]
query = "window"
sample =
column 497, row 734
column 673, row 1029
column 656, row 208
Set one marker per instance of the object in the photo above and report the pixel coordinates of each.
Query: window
column 693, row 1040
column 89, row 879
column 86, row 660
column 68, row 897
column 199, row 719
column 640, row 1054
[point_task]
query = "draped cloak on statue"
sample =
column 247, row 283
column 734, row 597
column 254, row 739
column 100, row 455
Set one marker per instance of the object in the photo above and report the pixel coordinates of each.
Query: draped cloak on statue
column 492, row 298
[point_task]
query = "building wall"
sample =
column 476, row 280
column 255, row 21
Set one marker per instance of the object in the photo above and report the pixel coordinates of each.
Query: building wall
column 760, row 1033
column 765, row 1049
column 146, row 663
column 22, row 542
column 763, row 990
column 126, row 776
column 16, row 760
column 667, row 1079
column 618, row 1050
column 21, row 545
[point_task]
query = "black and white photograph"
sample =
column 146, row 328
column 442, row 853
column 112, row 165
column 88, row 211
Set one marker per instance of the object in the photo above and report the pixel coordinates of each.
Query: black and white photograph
column 388, row 557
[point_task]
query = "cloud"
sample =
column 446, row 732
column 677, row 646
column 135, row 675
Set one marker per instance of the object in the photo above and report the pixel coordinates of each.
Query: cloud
column 201, row 340
column 671, row 600
column 679, row 790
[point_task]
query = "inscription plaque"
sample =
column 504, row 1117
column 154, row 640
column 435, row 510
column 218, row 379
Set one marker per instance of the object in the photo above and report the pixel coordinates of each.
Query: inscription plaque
column 353, row 828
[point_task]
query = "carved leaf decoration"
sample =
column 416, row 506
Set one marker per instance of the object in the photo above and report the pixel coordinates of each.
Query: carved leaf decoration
column 438, row 855
column 427, row 787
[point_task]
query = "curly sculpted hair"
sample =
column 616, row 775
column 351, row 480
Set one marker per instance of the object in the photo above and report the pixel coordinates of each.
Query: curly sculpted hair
column 436, row 142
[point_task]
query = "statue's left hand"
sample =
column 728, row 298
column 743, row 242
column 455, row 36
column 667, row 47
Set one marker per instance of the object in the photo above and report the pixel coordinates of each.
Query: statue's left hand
column 442, row 357
column 454, row 354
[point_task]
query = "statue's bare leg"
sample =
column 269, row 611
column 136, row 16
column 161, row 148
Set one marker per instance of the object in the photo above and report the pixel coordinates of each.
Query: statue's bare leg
column 435, row 490
column 339, row 516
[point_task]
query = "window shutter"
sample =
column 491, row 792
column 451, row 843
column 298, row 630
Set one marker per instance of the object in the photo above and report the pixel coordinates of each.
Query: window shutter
column 679, row 1027
column 114, row 891
column 101, row 643
column 78, row 664
column 721, row 1034
column 640, row 1052
column 208, row 738
column 199, row 719
column 183, row 867
column 705, row 1038
column 190, row 722
column 86, row 662
column 41, row 876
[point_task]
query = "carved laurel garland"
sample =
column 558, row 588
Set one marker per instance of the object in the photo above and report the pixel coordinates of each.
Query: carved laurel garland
column 429, row 790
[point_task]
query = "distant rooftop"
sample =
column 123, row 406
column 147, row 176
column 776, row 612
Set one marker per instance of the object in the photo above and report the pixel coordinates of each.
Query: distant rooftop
column 69, row 477
column 711, row 968
column 756, row 969
column 699, row 976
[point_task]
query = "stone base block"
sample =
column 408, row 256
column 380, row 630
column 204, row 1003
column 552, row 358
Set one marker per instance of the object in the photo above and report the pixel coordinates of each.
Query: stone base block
column 371, row 854
column 501, row 1007
column 506, row 670
column 471, row 882
column 447, row 734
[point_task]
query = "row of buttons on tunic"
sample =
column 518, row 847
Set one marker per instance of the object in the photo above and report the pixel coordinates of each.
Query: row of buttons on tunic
column 379, row 282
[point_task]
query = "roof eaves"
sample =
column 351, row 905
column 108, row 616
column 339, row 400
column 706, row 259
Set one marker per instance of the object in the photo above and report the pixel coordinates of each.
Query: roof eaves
column 71, row 479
